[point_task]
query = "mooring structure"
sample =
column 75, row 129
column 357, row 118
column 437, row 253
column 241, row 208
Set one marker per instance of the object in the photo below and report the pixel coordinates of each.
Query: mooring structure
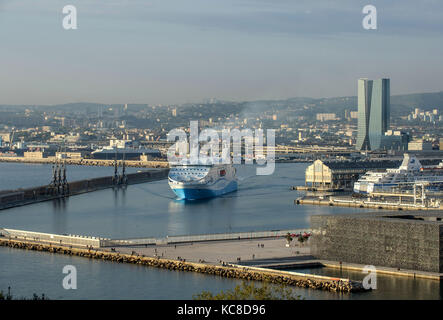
column 119, row 179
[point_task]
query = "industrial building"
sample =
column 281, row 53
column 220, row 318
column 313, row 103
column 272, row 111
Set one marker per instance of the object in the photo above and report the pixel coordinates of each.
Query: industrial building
column 420, row 145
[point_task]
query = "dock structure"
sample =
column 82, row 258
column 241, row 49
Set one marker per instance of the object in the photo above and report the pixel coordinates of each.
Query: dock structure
column 406, row 196
column 60, row 188
column 59, row 184
column 422, row 193
column 119, row 179
column 347, row 201
column 230, row 268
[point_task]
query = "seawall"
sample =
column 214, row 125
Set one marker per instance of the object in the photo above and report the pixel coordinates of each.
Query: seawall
column 230, row 271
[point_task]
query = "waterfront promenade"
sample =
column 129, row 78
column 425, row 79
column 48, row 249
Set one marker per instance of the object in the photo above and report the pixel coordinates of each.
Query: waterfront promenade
column 216, row 252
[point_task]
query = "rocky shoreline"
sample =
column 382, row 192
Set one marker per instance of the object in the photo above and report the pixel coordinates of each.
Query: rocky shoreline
column 222, row 271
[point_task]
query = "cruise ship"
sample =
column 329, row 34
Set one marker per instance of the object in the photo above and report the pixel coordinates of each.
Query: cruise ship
column 410, row 170
column 193, row 182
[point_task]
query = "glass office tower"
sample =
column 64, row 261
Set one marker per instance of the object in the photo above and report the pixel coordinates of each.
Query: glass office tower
column 373, row 113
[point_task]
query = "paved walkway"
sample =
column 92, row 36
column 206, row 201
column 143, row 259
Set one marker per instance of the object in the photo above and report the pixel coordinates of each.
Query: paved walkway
column 216, row 252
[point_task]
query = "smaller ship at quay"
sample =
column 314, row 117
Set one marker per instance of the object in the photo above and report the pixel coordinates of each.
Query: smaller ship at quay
column 201, row 181
column 410, row 171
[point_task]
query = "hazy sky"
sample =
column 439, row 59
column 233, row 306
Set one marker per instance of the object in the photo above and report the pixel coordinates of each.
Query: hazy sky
column 176, row 51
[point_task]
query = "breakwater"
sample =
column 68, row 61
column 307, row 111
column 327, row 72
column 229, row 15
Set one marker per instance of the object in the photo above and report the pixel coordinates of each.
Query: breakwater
column 19, row 197
column 229, row 271
column 88, row 162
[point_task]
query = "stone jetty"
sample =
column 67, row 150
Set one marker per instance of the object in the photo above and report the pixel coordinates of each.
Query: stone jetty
column 229, row 271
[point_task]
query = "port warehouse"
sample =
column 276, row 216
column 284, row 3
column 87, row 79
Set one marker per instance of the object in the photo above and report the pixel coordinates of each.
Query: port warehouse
column 388, row 239
column 343, row 174
column 29, row 195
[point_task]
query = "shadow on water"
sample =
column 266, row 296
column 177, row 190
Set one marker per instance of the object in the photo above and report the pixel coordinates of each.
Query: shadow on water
column 60, row 204
column 60, row 214
column 119, row 196
column 148, row 190
column 186, row 202
column 215, row 201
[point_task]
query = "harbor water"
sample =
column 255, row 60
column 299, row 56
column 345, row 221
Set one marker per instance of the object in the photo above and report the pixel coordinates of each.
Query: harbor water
column 151, row 210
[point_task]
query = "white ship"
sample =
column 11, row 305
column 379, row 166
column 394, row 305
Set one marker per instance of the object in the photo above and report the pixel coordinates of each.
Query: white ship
column 192, row 182
column 409, row 171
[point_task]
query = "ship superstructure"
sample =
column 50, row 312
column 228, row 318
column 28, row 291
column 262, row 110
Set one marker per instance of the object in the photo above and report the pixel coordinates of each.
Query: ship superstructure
column 410, row 171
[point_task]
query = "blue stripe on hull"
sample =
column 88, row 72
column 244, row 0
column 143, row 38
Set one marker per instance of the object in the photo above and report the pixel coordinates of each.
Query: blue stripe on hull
column 203, row 193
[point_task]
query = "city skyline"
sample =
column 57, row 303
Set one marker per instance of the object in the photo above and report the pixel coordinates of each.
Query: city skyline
column 169, row 52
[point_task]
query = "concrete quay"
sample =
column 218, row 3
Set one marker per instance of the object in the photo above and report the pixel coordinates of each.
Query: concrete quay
column 346, row 201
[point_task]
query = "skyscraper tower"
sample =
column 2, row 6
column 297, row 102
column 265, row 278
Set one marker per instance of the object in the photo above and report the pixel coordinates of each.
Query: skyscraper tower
column 373, row 113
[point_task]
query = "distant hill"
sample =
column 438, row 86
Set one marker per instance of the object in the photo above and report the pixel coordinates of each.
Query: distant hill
column 400, row 105
column 408, row 102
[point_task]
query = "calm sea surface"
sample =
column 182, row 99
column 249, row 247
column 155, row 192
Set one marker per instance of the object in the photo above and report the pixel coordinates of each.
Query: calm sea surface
column 150, row 209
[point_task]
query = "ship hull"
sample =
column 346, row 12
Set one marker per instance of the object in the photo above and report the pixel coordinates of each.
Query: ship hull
column 203, row 192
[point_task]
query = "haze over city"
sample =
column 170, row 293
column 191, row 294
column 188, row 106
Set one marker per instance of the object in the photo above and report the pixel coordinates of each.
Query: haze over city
column 162, row 52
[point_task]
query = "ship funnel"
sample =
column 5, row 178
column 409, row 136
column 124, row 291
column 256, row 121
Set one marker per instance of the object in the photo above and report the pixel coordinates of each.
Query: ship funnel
column 410, row 163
